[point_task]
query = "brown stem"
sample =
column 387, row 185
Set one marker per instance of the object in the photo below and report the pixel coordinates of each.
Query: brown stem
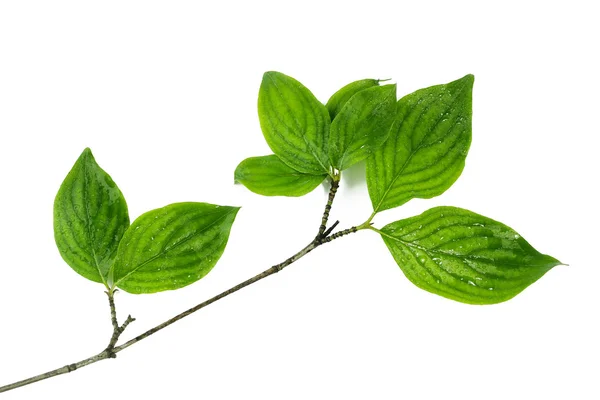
column 59, row 371
column 274, row 269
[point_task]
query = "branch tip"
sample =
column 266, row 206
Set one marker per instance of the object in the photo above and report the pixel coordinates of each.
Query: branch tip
column 328, row 231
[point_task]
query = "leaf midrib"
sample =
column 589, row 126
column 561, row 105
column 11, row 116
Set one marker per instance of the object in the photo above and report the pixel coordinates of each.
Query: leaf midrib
column 163, row 252
column 418, row 246
column 368, row 118
column 438, row 251
column 421, row 145
column 308, row 144
column 297, row 174
column 88, row 217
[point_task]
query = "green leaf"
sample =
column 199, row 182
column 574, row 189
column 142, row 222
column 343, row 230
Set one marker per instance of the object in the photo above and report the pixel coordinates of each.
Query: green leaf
column 295, row 124
column 90, row 217
column 464, row 256
column 172, row 247
column 362, row 126
column 269, row 176
column 340, row 98
column 426, row 150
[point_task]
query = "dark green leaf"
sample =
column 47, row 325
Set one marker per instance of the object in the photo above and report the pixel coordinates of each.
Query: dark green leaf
column 339, row 98
column 464, row 256
column 295, row 124
column 426, row 150
column 269, row 176
column 172, row 247
column 362, row 125
column 90, row 217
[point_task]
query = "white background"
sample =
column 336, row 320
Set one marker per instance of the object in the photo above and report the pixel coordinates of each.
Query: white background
column 165, row 95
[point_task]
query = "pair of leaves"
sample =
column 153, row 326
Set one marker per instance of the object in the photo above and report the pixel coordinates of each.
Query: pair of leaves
column 311, row 140
column 448, row 251
column 163, row 249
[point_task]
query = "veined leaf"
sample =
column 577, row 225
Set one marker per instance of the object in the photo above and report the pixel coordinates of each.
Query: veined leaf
column 172, row 247
column 464, row 256
column 362, row 126
column 295, row 124
column 338, row 100
column 90, row 217
column 427, row 146
column 269, row 176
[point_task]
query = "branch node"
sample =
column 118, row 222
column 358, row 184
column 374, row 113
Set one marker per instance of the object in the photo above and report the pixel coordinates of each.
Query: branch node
column 129, row 320
column 334, row 187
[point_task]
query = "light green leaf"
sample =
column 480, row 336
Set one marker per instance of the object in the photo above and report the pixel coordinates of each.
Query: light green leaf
column 426, row 150
column 338, row 100
column 362, row 126
column 295, row 124
column 269, row 176
column 90, row 217
column 172, row 247
column 464, row 256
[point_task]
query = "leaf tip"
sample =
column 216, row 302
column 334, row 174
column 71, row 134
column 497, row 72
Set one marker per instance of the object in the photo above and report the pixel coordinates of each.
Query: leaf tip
column 391, row 86
column 552, row 262
column 558, row 263
column 392, row 89
column 87, row 156
column 87, row 152
column 231, row 209
column 270, row 75
column 469, row 79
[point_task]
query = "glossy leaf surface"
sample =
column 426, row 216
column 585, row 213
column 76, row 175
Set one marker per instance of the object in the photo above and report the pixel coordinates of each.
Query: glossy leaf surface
column 90, row 217
column 464, row 256
column 427, row 146
column 340, row 98
column 295, row 124
column 362, row 125
column 269, row 176
column 172, row 247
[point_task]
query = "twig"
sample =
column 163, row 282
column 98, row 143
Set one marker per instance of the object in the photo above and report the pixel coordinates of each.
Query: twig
column 335, row 183
column 274, row 269
column 340, row 234
column 117, row 330
column 112, row 350
column 331, row 228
